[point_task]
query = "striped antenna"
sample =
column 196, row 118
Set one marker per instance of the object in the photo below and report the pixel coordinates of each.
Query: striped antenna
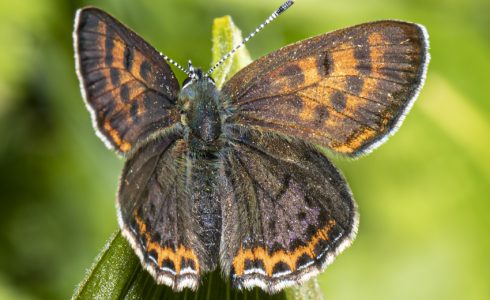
column 274, row 15
column 171, row 61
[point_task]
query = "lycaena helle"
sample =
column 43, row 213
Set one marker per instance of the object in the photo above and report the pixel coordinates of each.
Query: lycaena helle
column 234, row 178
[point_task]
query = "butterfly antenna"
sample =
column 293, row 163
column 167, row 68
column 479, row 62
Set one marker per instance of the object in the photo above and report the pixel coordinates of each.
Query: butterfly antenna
column 171, row 61
column 274, row 15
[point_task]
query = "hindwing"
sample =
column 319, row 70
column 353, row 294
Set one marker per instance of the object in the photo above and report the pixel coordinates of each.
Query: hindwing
column 287, row 211
column 156, row 212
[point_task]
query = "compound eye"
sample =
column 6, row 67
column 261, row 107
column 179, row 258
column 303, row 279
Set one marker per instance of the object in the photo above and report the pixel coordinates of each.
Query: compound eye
column 186, row 81
column 211, row 79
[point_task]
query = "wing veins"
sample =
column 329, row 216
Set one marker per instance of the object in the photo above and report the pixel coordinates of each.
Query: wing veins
column 138, row 205
column 267, row 154
column 239, row 161
column 148, row 88
column 336, row 111
column 114, row 37
column 333, row 50
column 111, row 90
column 279, row 95
column 371, row 77
column 287, row 124
column 121, row 37
column 352, row 94
column 252, row 178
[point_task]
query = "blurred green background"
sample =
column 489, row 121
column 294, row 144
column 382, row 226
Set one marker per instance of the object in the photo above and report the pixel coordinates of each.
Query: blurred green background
column 423, row 197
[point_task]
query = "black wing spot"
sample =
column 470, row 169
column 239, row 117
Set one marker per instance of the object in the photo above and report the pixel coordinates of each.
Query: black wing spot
column 294, row 73
column 145, row 70
column 338, row 101
column 115, row 78
column 187, row 263
column 133, row 111
column 125, row 93
column 280, row 267
column 153, row 256
column 167, row 263
column 321, row 247
column 109, row 46
column 325, row 64
column 128, row 58
column 321, row 114
column 355, row 84
column 248, row 264
column 362, row 54
column 303, row 260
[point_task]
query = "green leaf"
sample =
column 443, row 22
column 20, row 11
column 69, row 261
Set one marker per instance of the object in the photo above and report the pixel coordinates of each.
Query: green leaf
column 226, row 36
column 117, row 272
column 111, row 273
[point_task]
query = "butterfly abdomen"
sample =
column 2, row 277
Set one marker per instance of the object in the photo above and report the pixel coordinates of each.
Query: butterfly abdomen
column 206, row 207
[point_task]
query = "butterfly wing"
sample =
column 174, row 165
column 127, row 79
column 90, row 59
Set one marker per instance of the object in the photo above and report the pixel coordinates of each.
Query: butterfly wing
column 287, row 212
column 155, row 212
column 346, row 90
column 128, row 87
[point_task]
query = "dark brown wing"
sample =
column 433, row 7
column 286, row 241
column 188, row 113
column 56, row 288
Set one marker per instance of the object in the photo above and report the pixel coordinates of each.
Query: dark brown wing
column 156, row 212
column 346, row 90
column 129, row 88
column 287, row 211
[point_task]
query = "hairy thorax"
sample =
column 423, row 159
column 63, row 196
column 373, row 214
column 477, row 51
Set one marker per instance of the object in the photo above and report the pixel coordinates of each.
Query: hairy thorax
column 200, row 115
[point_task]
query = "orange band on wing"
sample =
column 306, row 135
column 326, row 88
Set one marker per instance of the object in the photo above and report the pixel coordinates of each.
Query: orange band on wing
column 123, row 145
column 289, row 258
column 167, row 253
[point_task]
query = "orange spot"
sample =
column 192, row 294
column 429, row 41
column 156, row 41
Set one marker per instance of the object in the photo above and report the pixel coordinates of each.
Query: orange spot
column 356, row 141
column 307, row 72
column 376, row 53
column 270, row 260
column 376, row 38
column 343, row 61
column 308, row 111
column 309, row 66
column 163, row 253
column 101, row 27
column 123, row 145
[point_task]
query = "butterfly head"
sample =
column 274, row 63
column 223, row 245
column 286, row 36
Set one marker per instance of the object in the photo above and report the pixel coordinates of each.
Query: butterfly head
column 194, row 75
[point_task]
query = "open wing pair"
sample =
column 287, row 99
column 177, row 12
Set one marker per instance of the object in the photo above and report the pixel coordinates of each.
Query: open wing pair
column 284, row 209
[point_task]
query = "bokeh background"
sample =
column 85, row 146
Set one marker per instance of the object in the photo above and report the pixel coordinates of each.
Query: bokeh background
column 423, row 196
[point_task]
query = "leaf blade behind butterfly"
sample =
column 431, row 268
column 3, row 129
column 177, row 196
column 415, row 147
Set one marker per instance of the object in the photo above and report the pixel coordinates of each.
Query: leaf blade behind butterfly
column 111, row 271
column 226, row 35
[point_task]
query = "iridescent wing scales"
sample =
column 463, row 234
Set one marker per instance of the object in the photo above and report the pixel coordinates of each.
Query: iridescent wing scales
column 287, row 212
column 346, row 90
column 128, row 87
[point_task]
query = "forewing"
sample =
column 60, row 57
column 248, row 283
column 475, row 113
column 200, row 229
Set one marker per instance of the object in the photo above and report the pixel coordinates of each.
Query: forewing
column 155, row 212
column 287, row 212
column 128, row 87
column 346, row 90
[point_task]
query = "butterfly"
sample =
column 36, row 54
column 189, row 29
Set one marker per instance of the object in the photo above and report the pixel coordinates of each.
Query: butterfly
column 237, row 178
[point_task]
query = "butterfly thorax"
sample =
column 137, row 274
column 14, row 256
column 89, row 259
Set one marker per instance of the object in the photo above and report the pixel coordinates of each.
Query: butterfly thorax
column 198, row 102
